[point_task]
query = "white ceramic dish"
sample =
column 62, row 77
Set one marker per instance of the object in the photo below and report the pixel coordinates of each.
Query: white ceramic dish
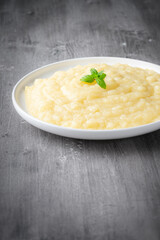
column 48, row 70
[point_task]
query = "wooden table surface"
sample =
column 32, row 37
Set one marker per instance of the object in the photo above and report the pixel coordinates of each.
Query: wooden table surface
column 53, row 187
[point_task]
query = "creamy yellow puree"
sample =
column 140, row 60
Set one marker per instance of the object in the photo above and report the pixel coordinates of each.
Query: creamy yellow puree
column 132, row 98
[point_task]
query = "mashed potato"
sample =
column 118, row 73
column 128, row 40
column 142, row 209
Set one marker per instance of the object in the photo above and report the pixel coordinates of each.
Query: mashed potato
column 131, row 98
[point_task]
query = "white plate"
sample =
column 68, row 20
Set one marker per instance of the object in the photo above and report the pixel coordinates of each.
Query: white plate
column 48, row 70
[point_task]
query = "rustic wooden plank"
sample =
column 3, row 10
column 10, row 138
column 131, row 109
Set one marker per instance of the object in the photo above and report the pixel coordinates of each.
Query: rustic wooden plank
column 59, row 188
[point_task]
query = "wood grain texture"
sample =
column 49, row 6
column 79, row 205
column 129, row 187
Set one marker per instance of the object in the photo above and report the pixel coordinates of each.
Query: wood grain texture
column 59, row 188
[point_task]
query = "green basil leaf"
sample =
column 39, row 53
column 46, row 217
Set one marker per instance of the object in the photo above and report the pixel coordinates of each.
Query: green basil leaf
column 87, row 78
column 94, row 72
column 102, row 76
column 101, row 83
column 100, row 73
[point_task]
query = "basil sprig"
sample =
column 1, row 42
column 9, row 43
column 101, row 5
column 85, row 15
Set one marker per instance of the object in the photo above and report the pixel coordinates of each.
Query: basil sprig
column 95, row 76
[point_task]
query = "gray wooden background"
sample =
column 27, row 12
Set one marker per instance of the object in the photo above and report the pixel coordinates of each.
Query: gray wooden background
column 59, row 188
